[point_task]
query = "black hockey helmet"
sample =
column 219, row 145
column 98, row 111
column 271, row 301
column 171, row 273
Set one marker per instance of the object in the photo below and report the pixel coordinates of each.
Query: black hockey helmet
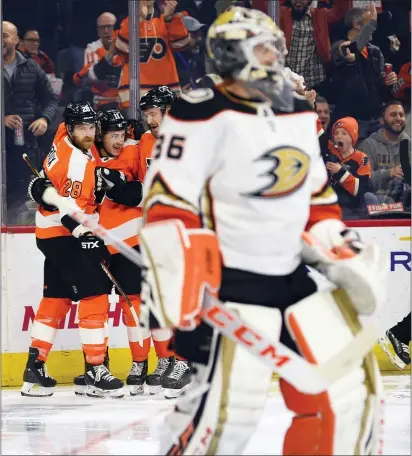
column 161, row 98
column 80, row 112
column 111, row 120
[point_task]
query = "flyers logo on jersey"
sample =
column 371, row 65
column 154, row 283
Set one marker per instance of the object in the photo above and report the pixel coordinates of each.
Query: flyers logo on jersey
column 152, row 48
column 288, row 171
column 52, row 158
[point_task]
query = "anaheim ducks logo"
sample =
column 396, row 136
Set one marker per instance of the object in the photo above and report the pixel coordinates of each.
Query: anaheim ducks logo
column 288, row 171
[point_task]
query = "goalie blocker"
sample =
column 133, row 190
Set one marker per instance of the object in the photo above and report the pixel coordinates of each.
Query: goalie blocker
column 181, row 264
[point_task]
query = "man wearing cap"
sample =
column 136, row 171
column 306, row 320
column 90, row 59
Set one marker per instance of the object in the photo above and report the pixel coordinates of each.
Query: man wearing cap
column 190, row 61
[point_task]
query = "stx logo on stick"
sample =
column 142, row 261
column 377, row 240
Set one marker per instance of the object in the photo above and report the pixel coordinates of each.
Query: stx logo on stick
column 243, row 334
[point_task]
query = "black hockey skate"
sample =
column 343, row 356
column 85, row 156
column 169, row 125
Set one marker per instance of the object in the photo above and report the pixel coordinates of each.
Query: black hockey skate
column 164, row 367
column 80, row 386
column 137, row 377
column 401, row 350
column 399, row 355
column 101, row 380
column 37, row 382
column 177, row 380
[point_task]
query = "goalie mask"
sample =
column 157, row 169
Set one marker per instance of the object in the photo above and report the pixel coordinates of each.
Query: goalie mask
column 248, row 46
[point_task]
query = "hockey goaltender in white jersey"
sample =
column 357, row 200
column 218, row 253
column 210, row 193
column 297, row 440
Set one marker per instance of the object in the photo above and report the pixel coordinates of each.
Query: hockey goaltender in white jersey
column 237, row 179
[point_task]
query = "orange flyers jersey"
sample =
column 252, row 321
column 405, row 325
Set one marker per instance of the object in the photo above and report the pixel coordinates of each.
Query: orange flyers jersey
column 72, row 174
column 93, row 55
column 354, row 168
column 146, row 145
column 123, row 221
column 157, row 64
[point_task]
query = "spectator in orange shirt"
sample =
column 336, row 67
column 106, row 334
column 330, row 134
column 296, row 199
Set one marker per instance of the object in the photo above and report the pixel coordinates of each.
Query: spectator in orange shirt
column 30, row 48
column 104, row 92
column 159, row 34
column 350, row 168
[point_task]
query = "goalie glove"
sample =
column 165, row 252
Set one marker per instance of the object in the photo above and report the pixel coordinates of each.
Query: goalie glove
column 358, row 269
column 36, row 189
column 107, row 178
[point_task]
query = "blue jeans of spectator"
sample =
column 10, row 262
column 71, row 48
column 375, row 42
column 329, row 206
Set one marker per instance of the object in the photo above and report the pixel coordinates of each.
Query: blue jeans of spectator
column 367, row 127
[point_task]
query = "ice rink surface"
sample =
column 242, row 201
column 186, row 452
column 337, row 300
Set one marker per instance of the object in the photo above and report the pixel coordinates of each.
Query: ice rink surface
column 69, row 425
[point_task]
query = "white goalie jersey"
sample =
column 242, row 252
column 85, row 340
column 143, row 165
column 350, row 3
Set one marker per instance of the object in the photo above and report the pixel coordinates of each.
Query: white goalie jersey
column 254, row 175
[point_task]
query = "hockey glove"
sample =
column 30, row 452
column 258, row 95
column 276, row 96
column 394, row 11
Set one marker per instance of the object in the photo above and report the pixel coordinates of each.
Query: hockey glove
column 94, row 248
column 36, row 189
column 108, row 178
column 357, row 268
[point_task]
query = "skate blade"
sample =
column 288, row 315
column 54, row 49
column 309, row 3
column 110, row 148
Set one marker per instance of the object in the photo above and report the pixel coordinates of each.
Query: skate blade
column 136, row 390
column 80, row 390
column 102, row 394
column 155, row 389
column 174, row 393
column 393, row 357
column 34, row 390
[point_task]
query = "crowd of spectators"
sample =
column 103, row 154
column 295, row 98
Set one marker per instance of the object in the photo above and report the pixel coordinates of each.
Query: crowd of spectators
column 349, row 58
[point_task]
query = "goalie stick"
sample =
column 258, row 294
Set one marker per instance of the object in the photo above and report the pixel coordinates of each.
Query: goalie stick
column 102, row 265
column 306, row 377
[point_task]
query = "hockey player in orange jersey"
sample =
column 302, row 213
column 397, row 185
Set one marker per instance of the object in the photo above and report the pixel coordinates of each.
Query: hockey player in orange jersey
column 154, row 105
column 73, row 255
column 120, row 212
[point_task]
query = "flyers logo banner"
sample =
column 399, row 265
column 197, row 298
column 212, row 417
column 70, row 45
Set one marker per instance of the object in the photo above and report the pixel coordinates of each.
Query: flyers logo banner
column 152, row 48
column 288, row 170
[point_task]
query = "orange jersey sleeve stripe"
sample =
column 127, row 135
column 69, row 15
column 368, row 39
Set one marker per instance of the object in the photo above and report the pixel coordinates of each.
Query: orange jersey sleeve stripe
column 159, row 212
column 319, row 213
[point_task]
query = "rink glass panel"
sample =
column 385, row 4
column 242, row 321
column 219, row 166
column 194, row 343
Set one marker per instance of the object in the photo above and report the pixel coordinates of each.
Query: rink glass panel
column 21, row 267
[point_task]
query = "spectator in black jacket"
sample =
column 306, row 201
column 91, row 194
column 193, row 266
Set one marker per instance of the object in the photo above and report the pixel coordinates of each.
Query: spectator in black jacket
column 359, row 82
column 29, row 104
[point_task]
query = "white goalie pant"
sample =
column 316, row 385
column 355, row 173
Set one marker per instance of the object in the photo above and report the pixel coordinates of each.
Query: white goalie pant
column 343, row 420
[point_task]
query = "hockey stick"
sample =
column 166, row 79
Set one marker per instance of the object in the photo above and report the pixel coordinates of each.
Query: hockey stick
column 306, row 377
column 129, row 303
column 103, row 266
column 31, row 166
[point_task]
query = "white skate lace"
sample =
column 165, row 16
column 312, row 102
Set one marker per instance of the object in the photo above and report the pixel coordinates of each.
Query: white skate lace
column 102, row 372
column 161, row 367
column 178, row 370
column 404, row 348
column 137, row 368
column 45, row 373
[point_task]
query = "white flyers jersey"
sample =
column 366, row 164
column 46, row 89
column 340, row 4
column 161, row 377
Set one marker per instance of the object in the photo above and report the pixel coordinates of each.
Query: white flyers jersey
column 250, row 173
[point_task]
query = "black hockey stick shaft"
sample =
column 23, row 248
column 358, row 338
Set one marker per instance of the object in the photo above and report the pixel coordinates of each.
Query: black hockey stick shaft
column 30, row 163
column 116, row 284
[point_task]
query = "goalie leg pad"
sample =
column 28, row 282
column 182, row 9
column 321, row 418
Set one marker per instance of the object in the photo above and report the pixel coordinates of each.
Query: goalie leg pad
column 179, row 264
column 340, row 419
column 224, row 418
